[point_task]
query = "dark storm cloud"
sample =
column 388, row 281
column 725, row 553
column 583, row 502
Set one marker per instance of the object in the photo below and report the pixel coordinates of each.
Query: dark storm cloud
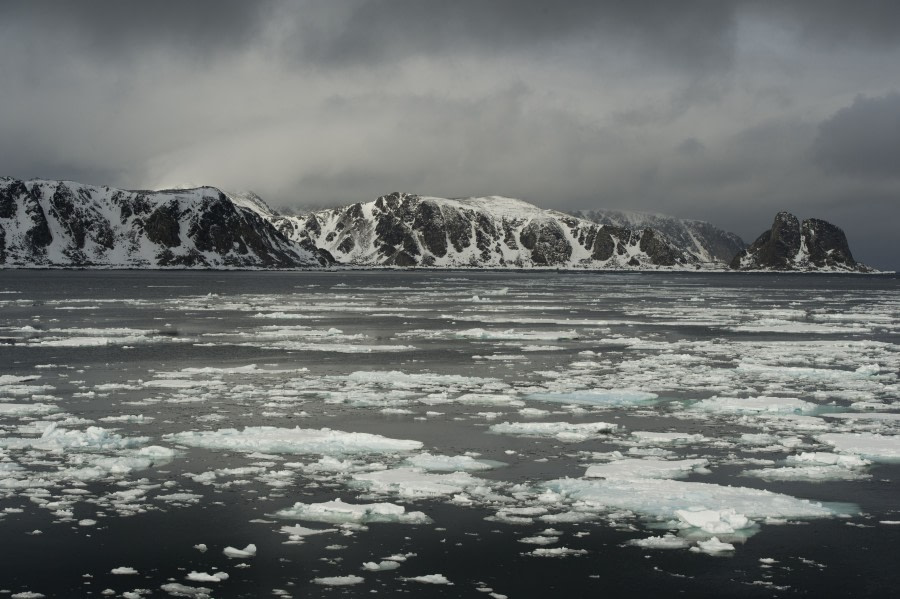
column 111, row 30
column 862, row 139
column 835, row 23
column 695, row 34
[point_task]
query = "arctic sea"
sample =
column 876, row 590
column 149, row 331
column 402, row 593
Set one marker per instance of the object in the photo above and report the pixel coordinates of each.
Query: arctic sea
column 448, row 434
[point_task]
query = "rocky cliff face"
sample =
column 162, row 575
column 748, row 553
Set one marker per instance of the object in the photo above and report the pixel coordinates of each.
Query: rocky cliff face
column 60, row 223
column 791, row 245
column 494, row 232
column 698, row 238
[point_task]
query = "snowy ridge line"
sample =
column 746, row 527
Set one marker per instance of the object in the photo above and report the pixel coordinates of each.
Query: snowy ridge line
column 63, row 224
column 407, row 230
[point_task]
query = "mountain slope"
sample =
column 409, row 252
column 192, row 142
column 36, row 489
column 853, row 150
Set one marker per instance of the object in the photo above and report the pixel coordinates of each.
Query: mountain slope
column 699, row 238
column 813, row 244
column 61, row 223
column 495, row 232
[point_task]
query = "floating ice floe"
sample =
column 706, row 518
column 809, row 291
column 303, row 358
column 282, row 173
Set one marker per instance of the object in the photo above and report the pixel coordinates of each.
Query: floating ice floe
column 429, row 579
column 598, row 397
column 297, row 534
column 878, row 448
column 815, row 467
column 381, row 566
column 563, row 431
column 338, row 512
column 415, row 482
column 338, row 581
column 712, row 546
column 755, row 405
column 246, row 552
column 176, row 589
column 668, row 541
column 510, row 334
column 445, row 463
column 556, row 552
column 195, row 576
column 293, row 440
column 654, row 437
column 880, row 416
column 662, row 499
column 645, row 468
column 55, row 438
column 25, row 409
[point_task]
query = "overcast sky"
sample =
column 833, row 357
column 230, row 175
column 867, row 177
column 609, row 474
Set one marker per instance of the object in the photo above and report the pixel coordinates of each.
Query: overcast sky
column 716, row 110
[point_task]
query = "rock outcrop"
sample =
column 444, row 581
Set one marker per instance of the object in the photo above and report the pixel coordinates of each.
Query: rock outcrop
column 790, row 245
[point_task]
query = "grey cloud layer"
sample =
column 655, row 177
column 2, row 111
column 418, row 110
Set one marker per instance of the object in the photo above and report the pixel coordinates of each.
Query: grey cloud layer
column 727, row 111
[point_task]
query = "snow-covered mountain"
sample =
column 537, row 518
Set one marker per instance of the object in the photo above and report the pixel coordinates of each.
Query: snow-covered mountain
column 696, row 237
column 813, row 244
column 493, row 232
column 61, row 223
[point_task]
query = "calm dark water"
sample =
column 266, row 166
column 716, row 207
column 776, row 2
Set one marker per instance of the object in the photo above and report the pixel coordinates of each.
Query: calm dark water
column 463, row 351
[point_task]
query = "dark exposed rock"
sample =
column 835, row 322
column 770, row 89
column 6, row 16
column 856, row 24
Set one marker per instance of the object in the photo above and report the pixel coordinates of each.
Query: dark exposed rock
column 9, row 196
column 459, row 230
column 660, row 252
column 790, row 245
column 162, row 226
column 827, row 244
column 347, row 245
column 430, row 222
column 609, row 240
column 775, row 249
column 547, row 242
column 604, row 245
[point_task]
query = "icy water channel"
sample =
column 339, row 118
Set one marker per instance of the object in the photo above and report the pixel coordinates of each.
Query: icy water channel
column 448, row 434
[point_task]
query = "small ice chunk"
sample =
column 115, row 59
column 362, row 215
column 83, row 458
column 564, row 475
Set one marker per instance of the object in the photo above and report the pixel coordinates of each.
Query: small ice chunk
column 556, row 552
column 652, row 437
column 246, row 552
column 123, row 570
column 713, row 547
column 293, row 440
column 297, row 531
column 338, row 581
column 429, row 579
column 338, row 512
column 563, row 431
column 644, row 468
column 201, row 547
column 714, row 521
column 668, row 541
column 790, row 405
column 445, row 463
column 177, row 589
column 597, row 397
column 539, row 540
column 195, row 576
column 380, row 566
